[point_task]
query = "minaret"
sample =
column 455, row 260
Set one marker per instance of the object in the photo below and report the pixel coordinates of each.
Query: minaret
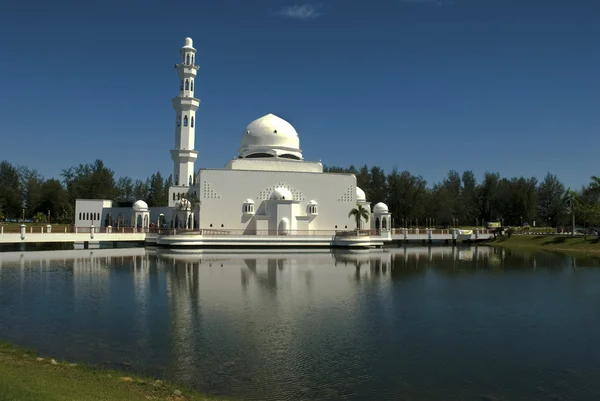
column 185, row 105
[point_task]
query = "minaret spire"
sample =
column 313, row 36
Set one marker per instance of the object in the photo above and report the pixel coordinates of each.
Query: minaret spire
column 185, row 105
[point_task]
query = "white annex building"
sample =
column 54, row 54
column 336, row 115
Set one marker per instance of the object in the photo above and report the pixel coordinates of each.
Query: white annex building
column 268, row 189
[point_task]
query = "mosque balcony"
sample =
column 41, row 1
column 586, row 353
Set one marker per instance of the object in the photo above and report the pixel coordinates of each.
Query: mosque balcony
column 193, row 67
column 184, row 155
column 186, row 103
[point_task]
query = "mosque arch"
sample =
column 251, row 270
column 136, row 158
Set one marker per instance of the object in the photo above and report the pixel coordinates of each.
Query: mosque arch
column 258, row 155
column 192, row 122
column 384, row 223
column 187, row 59
column 187, row 84
column 185, row 121
column 192, row 59
column 191, row 84
column 288, row 156
column 377, row 224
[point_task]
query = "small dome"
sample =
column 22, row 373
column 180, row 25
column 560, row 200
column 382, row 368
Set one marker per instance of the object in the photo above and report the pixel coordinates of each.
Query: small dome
column 360, row 195
column 188, row 42
column 282, row 194
column 380, row 208
column 140, row 206
column 270, row 136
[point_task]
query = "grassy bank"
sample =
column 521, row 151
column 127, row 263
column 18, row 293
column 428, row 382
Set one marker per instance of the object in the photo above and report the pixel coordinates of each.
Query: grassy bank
column 550, row 242
column 24, row 376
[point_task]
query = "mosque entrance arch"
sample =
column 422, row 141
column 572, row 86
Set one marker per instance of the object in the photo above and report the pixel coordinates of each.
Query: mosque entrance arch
column 284, row 226
column 377, row 223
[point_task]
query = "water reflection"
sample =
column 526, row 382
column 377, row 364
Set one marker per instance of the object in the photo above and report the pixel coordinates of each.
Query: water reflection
column 418, row 323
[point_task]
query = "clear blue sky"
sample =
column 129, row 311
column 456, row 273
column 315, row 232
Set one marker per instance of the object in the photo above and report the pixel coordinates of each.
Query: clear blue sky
column 511, row 86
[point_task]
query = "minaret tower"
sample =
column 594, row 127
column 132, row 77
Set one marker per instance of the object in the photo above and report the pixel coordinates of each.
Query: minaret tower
column 185, row 105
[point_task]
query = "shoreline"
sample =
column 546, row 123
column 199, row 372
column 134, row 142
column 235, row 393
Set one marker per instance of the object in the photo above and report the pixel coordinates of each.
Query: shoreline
column 27, row 376
column 551, row 243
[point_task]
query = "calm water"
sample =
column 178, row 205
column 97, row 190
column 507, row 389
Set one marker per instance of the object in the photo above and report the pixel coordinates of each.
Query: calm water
column 394, row 324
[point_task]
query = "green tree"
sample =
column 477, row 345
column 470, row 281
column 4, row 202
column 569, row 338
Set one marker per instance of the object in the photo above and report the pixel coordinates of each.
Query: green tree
column 359, row 213
column 488, row 197
column 552, row 207
column 124, row 189
column 378, row 186
column 31, row 183
column 55, row 199
column 90, row 181
column 406, row 195
column 469, row 198
column 11, row 196
column 156, row 193
column 40, row 217
column 141, row 190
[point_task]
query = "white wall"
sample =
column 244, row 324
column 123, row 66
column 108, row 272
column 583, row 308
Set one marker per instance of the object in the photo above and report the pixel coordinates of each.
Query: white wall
column 274, row 164
column 222, row 194
column 88, row 210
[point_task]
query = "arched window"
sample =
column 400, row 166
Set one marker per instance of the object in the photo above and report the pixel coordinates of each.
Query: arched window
column 181, row 87
column 178, row 121
column 187, row 59
column 377, row 223
column 192, row 59
column 192, row 84
column 174, row 195
column 383, row 223
column 248, row 207
column 187, row 85
column 79, row 215
column 192, row 123
column 185, row 121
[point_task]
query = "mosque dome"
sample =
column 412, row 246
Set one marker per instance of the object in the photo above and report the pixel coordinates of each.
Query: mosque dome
column 270, row 136
column 188, row 43
column 282, row 194
column 360, row 195
column 140, row 206
column 380, row 208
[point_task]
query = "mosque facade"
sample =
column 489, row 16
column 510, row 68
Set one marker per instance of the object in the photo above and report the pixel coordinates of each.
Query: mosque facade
column 268, row 189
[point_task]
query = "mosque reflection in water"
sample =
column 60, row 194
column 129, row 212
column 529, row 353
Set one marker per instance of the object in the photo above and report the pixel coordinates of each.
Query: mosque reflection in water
column 316, row 323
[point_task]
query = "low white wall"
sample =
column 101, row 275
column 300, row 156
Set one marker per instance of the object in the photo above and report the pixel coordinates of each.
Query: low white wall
column 69, row 237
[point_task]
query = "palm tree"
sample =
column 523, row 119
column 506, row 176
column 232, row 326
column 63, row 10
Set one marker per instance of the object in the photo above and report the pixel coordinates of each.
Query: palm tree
column 359, row 213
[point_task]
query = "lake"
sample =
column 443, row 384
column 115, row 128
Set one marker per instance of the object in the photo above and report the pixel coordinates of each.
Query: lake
column 414, row 323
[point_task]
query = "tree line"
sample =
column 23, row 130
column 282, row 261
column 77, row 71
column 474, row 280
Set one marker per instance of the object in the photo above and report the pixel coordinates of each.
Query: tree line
column 25, row 189
column 459, row 199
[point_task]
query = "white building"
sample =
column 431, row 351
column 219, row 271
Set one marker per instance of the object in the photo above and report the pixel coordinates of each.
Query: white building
column 267, row 189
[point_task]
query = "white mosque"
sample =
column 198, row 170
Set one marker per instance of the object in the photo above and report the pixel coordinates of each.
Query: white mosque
column 267, row 192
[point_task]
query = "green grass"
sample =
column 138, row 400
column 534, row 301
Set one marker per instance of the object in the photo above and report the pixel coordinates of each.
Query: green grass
column 25, row 378
column 550, row 242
